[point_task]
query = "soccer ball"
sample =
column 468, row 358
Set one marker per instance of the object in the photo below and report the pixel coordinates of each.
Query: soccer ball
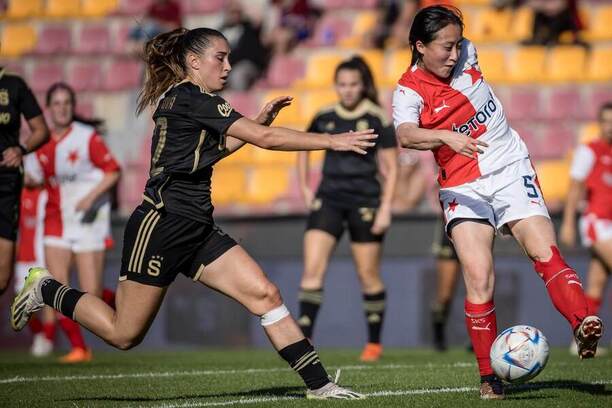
column 519, row 353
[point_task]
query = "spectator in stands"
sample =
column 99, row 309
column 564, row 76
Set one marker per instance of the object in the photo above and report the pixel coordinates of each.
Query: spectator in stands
column 162, row 16
column 555, row 21
column 288, row 23
column 249, row 57
column 394, row 21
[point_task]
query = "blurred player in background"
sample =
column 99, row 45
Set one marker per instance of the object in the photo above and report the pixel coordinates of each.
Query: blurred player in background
column 591, row 175
column 16, row 100
column 173, row 230
column 351, row 196
column 77, row 171
column 487, row 182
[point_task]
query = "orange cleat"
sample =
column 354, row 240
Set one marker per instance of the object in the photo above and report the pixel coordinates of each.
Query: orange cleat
column 77, row 355
column 371, row 352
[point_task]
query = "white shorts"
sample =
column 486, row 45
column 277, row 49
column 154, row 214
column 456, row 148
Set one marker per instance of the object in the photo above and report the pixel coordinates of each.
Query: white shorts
column 593, row 229
column 21, row 272
column 508, row 194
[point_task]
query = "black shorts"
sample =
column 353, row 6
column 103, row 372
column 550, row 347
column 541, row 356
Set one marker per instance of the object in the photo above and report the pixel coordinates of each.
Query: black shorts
column 11, row 184
column 157, row 246
column 442, row 247
column 333, row 218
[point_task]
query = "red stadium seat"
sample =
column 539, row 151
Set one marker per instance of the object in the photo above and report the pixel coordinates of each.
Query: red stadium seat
column 45, row 74
column 283, row 70
column 120, row 38
column 331, row 29
column 93, row 39
column 557, row 140
column 53, row 39
column 563, row 103
column 524, row 104
column 597, row 97
column 123, row 74
column 134, row 7
column 246, row 103
column 202, row 6
column 85, row 76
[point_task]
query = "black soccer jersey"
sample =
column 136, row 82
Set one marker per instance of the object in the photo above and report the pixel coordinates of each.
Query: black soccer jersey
column 16, row 99
column 350, row 178
column 189, row 138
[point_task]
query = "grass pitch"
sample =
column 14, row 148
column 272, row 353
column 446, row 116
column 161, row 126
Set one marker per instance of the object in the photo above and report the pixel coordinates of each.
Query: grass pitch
column 255, row 378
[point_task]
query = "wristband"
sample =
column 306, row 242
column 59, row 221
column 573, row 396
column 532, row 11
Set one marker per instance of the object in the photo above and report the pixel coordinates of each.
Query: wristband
column 23, row 149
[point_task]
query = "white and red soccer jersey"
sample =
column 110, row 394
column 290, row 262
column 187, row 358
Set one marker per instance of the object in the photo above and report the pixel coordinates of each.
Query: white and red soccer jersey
column 464, row 103
column 70, row 168
column 592, row 164
column 31, row 219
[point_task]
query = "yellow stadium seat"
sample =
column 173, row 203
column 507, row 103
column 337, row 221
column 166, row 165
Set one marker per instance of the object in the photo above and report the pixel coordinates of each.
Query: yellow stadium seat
column 566, row 63
column 553, row 176
column 600, row 25
column 363, row 23
column 527, row 64
column 398, row 63
column 522, row 24
column 290, row 115
column 471, row 2
column 63, row 8
column 267, row 183
column 599, row 64
column 589, row 132
column 264, row 156
column 24, row 8
column 494, row 25
column 98, row 8
column 320, row 70
column 17, row 39
column 376, row 61
column 492, row 64
column 244, row 156
column 228, row 185
column 313, row 101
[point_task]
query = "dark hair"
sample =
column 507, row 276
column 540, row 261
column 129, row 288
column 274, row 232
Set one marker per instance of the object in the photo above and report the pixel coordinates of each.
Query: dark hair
column 426, row 24
column 62, row 86
column 358, row 64
column 606, row 106
column 165, row 58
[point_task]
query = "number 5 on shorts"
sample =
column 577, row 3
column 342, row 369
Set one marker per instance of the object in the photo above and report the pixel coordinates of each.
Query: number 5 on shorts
column 532, row 192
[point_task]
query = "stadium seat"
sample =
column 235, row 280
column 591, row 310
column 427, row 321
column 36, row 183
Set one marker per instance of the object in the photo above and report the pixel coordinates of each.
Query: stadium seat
column 57, row 40
column 558, row 138
column 595, row 99
column 600, row 26
column 313, row 101
column 471, row 2
column 364, row 22
column 18, row 9
column 290, row 115
column 376, row 61
column 263, row 157
column 45, row 74
column 135, row 7
column 599, row 66
column 553, row 176
column 320, row 68
column 331, row 28
column 123, row 74
column 493, row 25
column 85, row 76
column 397, row 64
column 589, row 132
column 247, row 103
column 563, row 103
column 121, row 37
column 566, row 63
column 521, row 27
column 524, row 104
column 493, row 64
column 527, row 65
column 98, row 8
column 93, row 39
column 17, row 39
column 63, row 8
column 203, row 6
column 242, row 157
column 228, row 185
column 283, row 70
column 267, row 183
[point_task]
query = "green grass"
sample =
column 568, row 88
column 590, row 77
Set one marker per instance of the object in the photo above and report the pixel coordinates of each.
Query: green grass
column 212, row 377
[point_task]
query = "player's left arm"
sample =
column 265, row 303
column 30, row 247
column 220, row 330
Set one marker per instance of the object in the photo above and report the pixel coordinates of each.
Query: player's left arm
column 388, row 167
column 582, row 165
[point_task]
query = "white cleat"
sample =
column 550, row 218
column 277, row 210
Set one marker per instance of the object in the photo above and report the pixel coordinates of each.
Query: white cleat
column 29, row 299
column 41, row 346
column 587, row 335
column 332, row 390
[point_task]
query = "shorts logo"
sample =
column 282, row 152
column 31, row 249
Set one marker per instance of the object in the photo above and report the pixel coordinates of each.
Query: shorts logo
column 316, row 204
column 155, row 264
column 330, row 126
column 362, row 124
column 452, row 205
column 224, row 109
column 367, row 214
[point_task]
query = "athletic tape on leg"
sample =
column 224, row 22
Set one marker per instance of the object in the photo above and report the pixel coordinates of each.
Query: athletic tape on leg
column 274, row 315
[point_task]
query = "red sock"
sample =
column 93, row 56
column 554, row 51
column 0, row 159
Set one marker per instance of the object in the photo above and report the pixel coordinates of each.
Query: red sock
column 35, row 325
column 593, row 305
column 481, row 324
column 49, row 329
column 564, row 287
column 108, row 296
column 73, row 332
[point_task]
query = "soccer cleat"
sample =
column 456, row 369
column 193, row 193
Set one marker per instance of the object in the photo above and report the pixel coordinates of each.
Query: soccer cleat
column 77, row 355
column 41, row 346
column 491, row 388
column 371, row 352
column 587, row 335
column 332, row 390
column 29, row 299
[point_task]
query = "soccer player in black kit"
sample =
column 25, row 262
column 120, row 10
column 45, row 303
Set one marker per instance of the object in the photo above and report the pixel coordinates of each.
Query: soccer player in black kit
column 16, row 99
column 350, row 196
column 173, row 230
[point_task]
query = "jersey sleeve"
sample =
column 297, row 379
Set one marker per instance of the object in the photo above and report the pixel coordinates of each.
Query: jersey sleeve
column 28, row 105
column 582, row 164
column 407, row 106
column 33, row 168
column 386, row 138
column 214, row 112
column 100, row 156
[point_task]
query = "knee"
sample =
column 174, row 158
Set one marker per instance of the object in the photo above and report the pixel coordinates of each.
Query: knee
column 371, row 283
column 125, row 341
column 272, row 297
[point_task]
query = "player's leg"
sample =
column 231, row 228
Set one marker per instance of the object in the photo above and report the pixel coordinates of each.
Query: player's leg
column 90, row 271
column 323, row 230
column 603, row 249
column 7, row 256
column 597, row 279
column 10, row 198
column 227, row 268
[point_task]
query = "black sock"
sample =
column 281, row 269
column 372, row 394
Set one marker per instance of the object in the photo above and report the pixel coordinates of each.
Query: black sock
column 439, row 316
column 303, row 358
column 374, row 306
column 310, row 302
column 60, row 297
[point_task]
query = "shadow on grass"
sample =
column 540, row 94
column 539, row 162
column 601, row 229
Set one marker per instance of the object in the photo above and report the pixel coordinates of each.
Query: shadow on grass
column 291, row 392
column 573, row 385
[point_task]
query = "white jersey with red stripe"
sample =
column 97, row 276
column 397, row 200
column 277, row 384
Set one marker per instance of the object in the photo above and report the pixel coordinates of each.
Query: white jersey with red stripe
column 464, row 103
column 71, row 168
column 31, row 221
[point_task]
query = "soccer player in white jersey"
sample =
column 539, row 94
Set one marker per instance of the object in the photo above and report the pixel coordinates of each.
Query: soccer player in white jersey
column 78, row 171
column 487, row 183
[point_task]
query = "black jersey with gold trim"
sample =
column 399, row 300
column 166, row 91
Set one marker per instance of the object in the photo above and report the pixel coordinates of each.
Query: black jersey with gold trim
column 16, row 99
column 348, row 177
column 189, row 138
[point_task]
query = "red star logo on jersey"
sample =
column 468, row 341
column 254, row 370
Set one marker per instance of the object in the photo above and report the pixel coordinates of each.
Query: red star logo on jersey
column 73, row 156
column 452, row 205
column 474, row 73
